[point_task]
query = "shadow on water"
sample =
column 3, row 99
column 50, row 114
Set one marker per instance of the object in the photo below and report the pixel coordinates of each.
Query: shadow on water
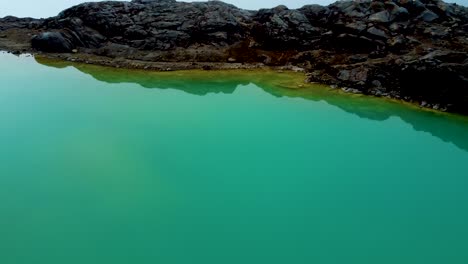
column 447, row 127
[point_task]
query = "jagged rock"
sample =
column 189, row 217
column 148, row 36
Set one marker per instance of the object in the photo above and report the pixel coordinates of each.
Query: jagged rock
column 428, row 16
column 380, row 17
column 400, row 13
column 397, row 42
column 356, row 27
column 318, row 14
column 356, row 43
column 355, row 75
column 135, row 33
column 357, row 58
column 437, row 31
column 446, row 56
column 392, row 13
column 286, row 27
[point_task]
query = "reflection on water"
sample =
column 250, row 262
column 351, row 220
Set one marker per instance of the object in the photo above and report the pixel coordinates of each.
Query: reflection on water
column 271, row 172
column 448, row 127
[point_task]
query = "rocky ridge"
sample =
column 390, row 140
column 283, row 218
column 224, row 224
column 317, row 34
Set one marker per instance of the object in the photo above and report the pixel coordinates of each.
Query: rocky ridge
column 414, row 50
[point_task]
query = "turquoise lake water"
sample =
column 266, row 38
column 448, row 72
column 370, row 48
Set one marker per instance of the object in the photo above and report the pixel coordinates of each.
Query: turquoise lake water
column 102, row 166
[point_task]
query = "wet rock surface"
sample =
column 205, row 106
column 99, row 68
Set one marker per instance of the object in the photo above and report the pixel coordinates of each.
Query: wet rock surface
column 415, row 50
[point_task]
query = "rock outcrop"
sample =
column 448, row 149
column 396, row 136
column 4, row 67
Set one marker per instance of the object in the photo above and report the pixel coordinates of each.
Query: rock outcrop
column 415, row 50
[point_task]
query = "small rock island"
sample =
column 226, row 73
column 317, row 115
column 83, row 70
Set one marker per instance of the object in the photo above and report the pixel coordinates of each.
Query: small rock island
column 413, row 50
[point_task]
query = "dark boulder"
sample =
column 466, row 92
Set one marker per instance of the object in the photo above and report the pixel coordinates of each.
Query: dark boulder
column 400, row 14
column 414, row 7
column 355, row 43
column 377, row 6
column 52, row 42
column 445, row 84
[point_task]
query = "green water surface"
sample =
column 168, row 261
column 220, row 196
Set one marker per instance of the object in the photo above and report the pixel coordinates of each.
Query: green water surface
column 110, row 166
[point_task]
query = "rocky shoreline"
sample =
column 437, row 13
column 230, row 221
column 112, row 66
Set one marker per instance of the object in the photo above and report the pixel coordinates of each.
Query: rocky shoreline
column 413, row 50
column 161, row 65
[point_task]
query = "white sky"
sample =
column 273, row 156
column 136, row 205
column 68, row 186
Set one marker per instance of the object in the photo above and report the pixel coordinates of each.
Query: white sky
column 47, row 8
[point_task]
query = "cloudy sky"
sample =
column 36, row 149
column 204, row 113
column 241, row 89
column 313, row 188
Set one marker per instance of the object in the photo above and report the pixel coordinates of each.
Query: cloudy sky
column 47, row 8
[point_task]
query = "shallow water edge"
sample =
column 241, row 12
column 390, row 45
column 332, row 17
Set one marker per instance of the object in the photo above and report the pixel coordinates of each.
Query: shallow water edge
column 60, row 60
column 297, row 77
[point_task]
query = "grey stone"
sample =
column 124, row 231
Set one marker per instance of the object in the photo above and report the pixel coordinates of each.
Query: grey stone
column 380, row 17
column 377, row 32
column 428, row 16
